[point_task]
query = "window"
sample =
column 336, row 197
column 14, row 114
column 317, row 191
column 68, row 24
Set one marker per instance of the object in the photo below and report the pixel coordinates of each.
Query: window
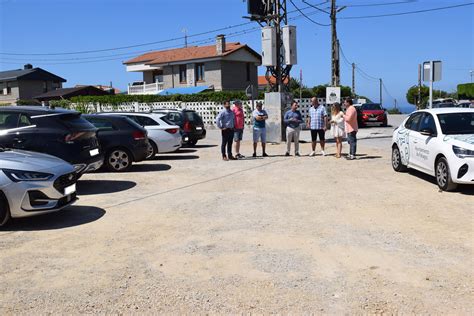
column 5, row 90
column 101, row 124
column 8, row 120
column 24, row 121
column 199, row 70
column 248, row 71
column 427, row 122
column 182, row 74
column 413, row 122
column 371, row 107
column 145, row 121
column 457, row 123
column 45, row 86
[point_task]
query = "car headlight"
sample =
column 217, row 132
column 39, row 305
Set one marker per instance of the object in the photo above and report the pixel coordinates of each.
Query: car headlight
column 463, row 152
column 21, row 175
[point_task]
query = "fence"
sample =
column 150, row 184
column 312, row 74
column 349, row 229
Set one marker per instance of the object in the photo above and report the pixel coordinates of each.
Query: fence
column 207, row 110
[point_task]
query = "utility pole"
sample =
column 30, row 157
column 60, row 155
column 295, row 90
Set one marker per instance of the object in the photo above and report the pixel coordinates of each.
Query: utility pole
column 335, row 71
column 381, row 85
column 472, row 74
column 353, row 80
column 185, row 31
column 418, row 104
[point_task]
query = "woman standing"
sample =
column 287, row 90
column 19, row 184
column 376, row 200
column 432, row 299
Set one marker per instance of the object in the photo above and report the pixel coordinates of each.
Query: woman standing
column 337, row 127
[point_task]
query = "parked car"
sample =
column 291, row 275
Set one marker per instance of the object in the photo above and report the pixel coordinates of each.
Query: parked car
column 163, row 136
column 191, row 124
column 32, row 183
column 122, row 141
column 439, row 142
column 58, row 132
column 372, row 113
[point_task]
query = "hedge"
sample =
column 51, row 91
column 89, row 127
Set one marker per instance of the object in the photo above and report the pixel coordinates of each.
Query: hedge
column 466, row 91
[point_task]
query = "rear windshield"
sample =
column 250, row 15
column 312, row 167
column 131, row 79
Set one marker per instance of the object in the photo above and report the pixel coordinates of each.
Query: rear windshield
column 457, row 123
column 371, row 107
column 167, row 120
column 193, row 117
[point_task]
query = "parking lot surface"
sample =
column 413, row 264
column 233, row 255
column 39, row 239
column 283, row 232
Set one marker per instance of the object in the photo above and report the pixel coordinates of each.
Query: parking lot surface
column 188, row 232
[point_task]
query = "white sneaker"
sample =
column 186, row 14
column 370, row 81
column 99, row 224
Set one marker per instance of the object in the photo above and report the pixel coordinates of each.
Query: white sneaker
column 312, row 154
column 323, row 153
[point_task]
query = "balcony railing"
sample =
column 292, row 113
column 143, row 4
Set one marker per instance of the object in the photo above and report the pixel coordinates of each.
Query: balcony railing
column 151, row 88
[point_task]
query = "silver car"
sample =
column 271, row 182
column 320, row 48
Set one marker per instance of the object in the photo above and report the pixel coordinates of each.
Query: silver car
column 32, row 183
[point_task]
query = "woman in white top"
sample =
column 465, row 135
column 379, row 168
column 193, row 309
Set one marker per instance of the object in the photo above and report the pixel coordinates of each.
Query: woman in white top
column 337, row 127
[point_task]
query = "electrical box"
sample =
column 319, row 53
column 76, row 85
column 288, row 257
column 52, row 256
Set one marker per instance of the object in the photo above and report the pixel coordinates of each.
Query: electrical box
column 256, row 8
column 269, row 47
column 289, row 44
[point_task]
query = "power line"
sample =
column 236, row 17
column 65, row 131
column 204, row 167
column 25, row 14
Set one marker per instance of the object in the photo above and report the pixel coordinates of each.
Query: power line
column 380, row 4
column 406, row 13
column 306, row 16
column 316, row 6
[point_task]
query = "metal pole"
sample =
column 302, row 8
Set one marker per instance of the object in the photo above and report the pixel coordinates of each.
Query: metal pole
column 353, row 80
column 431, row 84
column 381, row 84
column 418, row 105
column 301, row 83
column 278, row 44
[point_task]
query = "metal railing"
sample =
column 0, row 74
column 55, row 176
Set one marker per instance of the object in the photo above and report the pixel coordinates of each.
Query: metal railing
column 151, row 88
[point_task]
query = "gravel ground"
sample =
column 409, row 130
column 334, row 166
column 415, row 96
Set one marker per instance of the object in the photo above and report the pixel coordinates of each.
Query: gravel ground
column 189, row 233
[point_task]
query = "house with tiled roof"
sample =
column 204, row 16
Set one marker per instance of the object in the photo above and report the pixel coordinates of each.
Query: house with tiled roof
column 223, row 66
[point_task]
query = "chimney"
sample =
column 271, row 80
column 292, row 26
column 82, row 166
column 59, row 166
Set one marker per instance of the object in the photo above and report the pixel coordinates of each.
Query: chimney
column 220, row 44
column 28, row 66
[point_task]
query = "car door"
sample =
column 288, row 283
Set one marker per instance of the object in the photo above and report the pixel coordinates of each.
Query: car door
column 8, row 126
column 425, row 145
column 412, row 125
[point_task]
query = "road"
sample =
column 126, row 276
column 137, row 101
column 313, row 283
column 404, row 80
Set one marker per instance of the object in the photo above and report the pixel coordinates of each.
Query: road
column 190, row 233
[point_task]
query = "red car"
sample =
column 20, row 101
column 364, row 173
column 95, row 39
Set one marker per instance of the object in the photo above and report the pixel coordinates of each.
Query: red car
column 372, row 113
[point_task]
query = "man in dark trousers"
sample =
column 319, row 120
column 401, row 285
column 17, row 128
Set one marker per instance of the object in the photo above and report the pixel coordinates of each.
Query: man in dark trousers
column 225, row 122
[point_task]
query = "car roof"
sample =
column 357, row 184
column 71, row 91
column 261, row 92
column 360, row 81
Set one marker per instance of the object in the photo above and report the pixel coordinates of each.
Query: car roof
column 172, row 110
column 447, row 110
column 110, row 117
column 36, row 109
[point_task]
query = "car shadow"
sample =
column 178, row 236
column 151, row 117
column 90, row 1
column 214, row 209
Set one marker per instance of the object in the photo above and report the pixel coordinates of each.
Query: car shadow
column 202, row 146
column 184, row 151
column 366, row 157
column 93, row 187
column 149, row 167
column 69, row 217
column 464, row 189
column 175, row 157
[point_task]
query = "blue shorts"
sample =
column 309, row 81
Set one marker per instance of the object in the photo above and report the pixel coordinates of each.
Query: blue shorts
column 238, row 134
column 259, row 133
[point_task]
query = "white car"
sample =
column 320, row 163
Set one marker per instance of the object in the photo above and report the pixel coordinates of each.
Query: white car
column 439, row 142
column 32, row 183
column 163, row 136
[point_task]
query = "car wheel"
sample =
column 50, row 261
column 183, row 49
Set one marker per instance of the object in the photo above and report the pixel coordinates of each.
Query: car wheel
column 397, row 164
column 192, row 142
column 385, row 123
column 4, row 210
column 152, row 150
column 118, row 160
column 443, row 176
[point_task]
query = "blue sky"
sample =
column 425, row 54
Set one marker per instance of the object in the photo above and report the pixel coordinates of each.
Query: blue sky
column 389, row 47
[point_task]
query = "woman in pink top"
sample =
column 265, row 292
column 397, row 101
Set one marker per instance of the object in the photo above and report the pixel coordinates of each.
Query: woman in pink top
column 350, row 119
column 239, row 122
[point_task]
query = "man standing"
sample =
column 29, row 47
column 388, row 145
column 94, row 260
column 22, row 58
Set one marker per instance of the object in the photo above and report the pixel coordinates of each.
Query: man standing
column 225, row 121
column 293, row 120
column 259, row 131
column 350, row 119
column 239, row 124
column 317, row 121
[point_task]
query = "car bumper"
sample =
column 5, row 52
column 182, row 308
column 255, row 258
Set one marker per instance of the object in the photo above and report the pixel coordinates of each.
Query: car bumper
column 193, row 136
column 462, row 170
column 90, row 165
column 29, row 198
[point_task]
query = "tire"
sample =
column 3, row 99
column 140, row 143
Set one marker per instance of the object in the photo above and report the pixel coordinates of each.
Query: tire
column 192, row 143
column 385, row 123
column 118, row 160
column 397, row 164
column 4, row 210
column 443, row 175
column 152, row 150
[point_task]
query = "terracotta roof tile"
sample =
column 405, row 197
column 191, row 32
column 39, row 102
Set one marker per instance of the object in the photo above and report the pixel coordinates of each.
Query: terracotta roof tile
column 183, row 54
column 262, row 81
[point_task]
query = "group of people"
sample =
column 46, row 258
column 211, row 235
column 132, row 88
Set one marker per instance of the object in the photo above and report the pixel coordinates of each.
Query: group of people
column 232, row 122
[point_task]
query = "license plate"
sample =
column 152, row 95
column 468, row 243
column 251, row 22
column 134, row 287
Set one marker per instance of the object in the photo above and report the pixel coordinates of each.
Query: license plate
column 373, row 119
column 70, row 189
column 198, row 128
column 94, row 152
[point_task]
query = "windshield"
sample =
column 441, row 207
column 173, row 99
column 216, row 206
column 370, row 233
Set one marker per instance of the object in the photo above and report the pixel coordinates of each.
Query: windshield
column 457, row 123
column 371, row 107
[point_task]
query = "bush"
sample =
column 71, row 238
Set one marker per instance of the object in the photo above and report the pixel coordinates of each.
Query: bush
column 466, row 91
column 394, row 111
column 28, row 102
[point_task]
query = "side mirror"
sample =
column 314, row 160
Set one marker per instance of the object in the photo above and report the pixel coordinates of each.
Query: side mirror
column 427, row 132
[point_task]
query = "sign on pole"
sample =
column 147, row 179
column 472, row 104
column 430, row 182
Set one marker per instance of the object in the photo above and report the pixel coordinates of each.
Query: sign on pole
column 432, row 73
column 333, row 95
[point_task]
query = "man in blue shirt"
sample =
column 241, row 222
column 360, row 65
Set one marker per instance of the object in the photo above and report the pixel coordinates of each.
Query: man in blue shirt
column 293, row 120
column 225, row 121
column 259, row 130
column 317, row 120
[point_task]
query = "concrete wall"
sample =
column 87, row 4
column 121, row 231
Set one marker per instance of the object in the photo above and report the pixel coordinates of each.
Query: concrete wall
column 13, row 95
column 212, row 76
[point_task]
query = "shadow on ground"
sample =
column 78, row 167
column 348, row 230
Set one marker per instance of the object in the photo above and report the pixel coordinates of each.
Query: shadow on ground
column 90, row 187
column 70, row 217
column 464, row 189
column 175, row 157
column 204, row 146
column 150, row 167
column 184, row 151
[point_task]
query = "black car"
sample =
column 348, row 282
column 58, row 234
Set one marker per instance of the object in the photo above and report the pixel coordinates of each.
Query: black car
column 191, row 124
column 122, row 140
column 58, row 132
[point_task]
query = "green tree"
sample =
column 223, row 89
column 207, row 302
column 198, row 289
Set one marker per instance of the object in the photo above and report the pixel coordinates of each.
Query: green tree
column 412, row 96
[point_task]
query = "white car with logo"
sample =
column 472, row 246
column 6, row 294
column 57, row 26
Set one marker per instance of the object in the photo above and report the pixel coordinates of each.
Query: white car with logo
column 439, row 142
column 163, row 135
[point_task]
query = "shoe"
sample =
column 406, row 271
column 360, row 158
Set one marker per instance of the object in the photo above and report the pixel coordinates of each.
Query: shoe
column 264, row 155
column 287, row 154
column 297, row 154
column 312, row 154
column 232, row 158
column 338, row 156
column 323, row 153
column 351, row 157
column 254, row 155
column 225, row 158
column 239, row 156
